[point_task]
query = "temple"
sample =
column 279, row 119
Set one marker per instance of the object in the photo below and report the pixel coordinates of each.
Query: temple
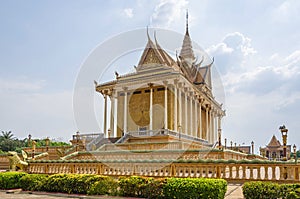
column 164, row 122
column 164, row 96
column 274, row 150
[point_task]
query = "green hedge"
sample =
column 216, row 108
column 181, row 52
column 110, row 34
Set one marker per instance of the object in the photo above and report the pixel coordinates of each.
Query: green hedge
column 172, row 187
column 10, row 180
column 102, row 185
column 269, row 190
column 195, row 188
column 69, row 183
column 144, row 187
column 133, row 186
column 32, row 182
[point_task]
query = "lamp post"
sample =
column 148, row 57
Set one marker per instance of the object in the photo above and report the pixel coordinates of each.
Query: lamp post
column 225, row 143
column 29, row 140
column 252, row 147
column 295, row 153
column 47, row 140
column 33, row 148
column 284, row 132
column 231, row 145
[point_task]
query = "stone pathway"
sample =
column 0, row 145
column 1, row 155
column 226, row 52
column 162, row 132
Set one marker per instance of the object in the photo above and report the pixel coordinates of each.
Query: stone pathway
column 234, row 191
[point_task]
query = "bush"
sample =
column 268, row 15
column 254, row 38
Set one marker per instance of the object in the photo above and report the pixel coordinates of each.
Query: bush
column 261, row 190
column 32, row 182
column 102, row 185
column 54, row 183
column 195, row 188
column 155, row 188
column 134, row 186
column 10, row 180
column 268, row 190
column 76, row 183
column 68, row 183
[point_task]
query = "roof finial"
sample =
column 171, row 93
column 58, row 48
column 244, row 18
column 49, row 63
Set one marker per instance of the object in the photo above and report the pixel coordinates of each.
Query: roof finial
column 148, row 34
column 187, row 21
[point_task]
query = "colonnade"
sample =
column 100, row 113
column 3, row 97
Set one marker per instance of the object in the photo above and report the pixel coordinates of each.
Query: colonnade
column 193, row 114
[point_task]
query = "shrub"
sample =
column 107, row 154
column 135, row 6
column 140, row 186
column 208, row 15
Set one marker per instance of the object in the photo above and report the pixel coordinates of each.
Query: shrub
column 54, row 183
column 195, row 188
column 102, row 185
column 67, row 183
column 32, row 182
column 134, row 186
column 76, row 183
column 155, row 188
column 10, row 180
column 268, row 190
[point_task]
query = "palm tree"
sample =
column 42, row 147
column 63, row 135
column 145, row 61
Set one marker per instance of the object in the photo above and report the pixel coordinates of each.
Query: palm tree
column 7, row 135
column 7, row 141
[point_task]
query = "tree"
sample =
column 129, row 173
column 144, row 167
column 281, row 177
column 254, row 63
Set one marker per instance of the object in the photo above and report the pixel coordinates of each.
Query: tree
column 8, row 142
column 8, row 135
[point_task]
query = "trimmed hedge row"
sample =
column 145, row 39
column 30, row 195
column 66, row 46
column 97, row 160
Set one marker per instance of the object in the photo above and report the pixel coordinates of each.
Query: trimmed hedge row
column 11, row 180
column 269, row 190
column 195, row 188
column 133, row 186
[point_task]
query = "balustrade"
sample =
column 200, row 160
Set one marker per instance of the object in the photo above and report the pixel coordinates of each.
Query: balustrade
column 228, row 171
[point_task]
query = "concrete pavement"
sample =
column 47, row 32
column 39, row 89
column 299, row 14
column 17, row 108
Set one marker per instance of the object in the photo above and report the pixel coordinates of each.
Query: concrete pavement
column 234, row 191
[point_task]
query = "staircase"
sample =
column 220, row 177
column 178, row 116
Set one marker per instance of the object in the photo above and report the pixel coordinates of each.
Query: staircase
column 97, row 142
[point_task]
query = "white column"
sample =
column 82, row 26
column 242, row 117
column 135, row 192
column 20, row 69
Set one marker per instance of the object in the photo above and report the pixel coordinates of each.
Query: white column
column 212, row 126
column 216, row 127
column 180, row 109
column 151, row 109
column 115, row 130
column 196, row 118
column 191, row 116
column 112, row 108
column 125, row 112
column 185, row 114
column 175, row 108
column 105, row 115
column 207, row 127
column 200, row 118
column 211, row 131
column 166, row 104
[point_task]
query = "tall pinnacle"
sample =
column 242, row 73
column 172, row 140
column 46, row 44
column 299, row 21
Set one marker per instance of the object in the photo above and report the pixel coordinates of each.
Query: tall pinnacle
column 187, row 22
column 186, row 49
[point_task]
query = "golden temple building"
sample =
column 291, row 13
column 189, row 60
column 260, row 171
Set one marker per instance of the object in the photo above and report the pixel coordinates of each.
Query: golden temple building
column 164, row 96
column 274, row 150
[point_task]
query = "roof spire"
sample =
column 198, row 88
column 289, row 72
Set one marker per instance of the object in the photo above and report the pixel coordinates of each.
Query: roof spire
column 187, row 21
column 186, row 49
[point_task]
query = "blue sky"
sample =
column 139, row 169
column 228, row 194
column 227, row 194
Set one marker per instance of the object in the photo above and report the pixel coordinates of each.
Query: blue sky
column 255, row 44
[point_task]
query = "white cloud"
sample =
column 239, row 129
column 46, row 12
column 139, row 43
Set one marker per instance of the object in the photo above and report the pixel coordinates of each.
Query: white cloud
column 286, row 12
column 128, row 12
column 258, row 103
column 168, row 11
column 28, row 108
column 231, row 52
column 21, row 84
column 259, row 96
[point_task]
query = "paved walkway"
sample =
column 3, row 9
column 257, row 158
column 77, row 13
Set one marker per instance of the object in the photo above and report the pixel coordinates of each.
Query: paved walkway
column 234, row 191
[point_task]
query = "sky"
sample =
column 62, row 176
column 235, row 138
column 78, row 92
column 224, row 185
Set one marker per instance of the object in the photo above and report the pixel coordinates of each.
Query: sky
column 255, row 44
